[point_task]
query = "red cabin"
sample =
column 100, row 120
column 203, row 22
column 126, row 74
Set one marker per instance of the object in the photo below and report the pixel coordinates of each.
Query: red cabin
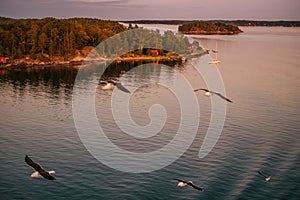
column 3, row 60
column 154, row 52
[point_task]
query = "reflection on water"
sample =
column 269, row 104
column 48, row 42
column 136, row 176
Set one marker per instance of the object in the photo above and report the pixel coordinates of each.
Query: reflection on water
column 53, row 78
column 116, row 69
column 261, row 75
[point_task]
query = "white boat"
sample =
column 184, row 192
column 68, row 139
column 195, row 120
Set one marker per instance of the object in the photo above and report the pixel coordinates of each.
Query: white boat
column 215, row 60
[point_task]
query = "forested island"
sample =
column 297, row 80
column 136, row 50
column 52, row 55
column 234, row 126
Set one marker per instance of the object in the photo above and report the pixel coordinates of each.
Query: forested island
column 209, row 28
column 51, row 41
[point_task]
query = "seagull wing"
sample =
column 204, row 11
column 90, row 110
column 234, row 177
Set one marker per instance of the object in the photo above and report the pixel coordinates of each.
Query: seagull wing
column 262, row 174
column 34, row 165
column 206, row 90
column 103, row 82
column 112, row 82
column 195, row 186
column 121, row 87
column 180, row 180
column 46, row 175
column 220, row 95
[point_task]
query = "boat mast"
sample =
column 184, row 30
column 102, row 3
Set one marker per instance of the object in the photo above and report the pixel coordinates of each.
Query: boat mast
column 216, row 50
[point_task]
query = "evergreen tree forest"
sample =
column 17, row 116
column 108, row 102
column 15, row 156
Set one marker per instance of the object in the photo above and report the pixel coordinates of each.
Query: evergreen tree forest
column 206, row 27
column 139, row 41
column 54, row 37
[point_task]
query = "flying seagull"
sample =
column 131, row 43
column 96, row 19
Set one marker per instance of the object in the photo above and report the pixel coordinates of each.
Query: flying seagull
column 39, row 171
column 209, row 93
column 267, row 178
column 183, row 183
column 111, row 84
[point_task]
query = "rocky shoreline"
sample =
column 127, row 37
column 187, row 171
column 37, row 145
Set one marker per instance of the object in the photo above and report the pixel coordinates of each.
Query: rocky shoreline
column 78, row 60
column 202, row 32
column 25, row 63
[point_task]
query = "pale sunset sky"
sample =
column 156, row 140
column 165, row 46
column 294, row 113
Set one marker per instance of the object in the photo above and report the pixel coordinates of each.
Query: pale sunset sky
column 153, row 9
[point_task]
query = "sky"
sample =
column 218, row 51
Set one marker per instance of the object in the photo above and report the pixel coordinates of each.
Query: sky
column 153, row 9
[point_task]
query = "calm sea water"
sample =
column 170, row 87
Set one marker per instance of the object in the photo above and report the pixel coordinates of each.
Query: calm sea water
column 261, row 73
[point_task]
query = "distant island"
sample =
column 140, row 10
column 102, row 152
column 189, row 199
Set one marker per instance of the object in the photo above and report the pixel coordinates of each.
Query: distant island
column 209, row 28
column 233, row 22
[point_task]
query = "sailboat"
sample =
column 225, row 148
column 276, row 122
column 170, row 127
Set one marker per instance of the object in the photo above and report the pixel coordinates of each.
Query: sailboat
column 215, row 60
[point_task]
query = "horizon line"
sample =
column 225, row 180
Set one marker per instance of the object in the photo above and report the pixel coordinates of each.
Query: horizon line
column 122, row 20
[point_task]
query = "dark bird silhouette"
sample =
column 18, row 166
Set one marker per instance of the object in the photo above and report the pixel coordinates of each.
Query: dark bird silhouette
column 111, row 84
column 183, row 183
column 267, row 178
column 39, row 171
column 210, row 93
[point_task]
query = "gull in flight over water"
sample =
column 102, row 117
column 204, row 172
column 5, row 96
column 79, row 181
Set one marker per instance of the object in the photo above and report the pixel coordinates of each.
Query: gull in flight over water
column 210, row 93
column 111, row 84
column 267, row 178
column 39, row 171
column 183, row 183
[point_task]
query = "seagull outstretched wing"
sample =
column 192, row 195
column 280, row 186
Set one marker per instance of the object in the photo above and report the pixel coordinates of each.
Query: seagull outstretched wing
column 122, row 88
column 180, row 180
column 262, row 174
column 206, row 90
column 267, row 178
column 32, row 164
column 225, row 98
column 194, row 186
column 103, row 82
column 46, row 175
